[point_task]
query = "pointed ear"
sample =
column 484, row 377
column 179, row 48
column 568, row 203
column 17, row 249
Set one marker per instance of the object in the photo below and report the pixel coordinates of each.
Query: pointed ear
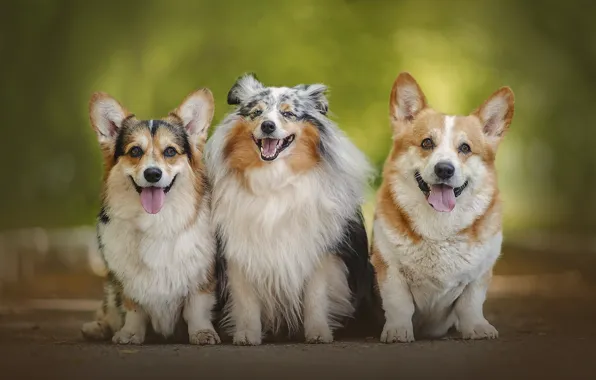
column 407, row 98
column 496, row 114
column 316, row 93
column 196, row 113
column 246, row 86
column 106, row 116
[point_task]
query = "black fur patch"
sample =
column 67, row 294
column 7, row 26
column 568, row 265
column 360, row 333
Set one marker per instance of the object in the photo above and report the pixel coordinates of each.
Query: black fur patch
column 112, row 286
column 323, row 133
column 119, row 146
column 353, row 250
column 178, row 131
column 103, row 216
column 245, row 110
column 153, row 125
column 100, row 245
column 221, row 266
column 233, row 94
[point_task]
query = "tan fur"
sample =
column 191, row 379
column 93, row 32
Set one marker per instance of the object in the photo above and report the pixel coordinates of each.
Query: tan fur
column 159, row 258
column 243, row 155
column 418, row 254
column 305, row 155
column 471, row 128
column 129, row 304
column 379, row 264
column 393, row 214
column 486, row 224
column 240, row 149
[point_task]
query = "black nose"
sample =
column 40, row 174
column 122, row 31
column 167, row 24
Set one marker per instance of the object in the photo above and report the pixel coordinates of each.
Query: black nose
column 268, row 127
column 152, row 175
column 444, row 170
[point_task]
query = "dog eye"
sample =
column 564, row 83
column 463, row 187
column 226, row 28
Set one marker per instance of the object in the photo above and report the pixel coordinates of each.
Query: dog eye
column 256, row 113
column 288, row 114
column 427, row 144
column 170, row 152
column 465, row 148
column 136, row 152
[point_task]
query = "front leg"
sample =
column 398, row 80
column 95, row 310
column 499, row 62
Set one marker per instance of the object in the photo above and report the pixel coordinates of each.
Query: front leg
column 468, row 308
column 135, row 325
column 316, row 305
column 110, row 317
column 198, row 314
column 245, row 309
column 397, row 301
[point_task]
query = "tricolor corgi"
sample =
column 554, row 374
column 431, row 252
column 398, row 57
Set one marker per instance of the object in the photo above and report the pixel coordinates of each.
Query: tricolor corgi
column 437, row 228
column 154, row 227
column 288, row 186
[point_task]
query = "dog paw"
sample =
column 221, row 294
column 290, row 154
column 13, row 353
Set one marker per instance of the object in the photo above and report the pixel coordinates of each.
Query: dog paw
column 320, row 336
column 483, row 330
column 204, row 337
column 397, row 333
column 247, row 338
column 95, row 330
column 128, row 337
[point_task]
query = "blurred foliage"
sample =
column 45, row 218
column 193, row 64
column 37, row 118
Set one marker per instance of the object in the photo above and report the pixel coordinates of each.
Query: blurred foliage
column 150, row 54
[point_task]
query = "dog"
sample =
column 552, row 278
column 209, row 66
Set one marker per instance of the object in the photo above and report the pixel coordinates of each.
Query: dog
column 154, row 228
column 437, row 227
column 288, row 186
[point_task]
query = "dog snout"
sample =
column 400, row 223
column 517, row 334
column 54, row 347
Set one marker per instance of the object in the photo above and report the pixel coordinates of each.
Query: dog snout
column 444, row 170
column 268, row 127
column 152, row 175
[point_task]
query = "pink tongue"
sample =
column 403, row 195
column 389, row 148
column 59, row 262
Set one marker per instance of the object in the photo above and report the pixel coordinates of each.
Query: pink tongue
column 152, row 199
column 442, row 198
column 269, row 147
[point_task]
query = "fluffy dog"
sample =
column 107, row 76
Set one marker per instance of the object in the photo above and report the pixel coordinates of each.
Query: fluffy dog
column 154, row 227
column 437, row 230
column 287, row 192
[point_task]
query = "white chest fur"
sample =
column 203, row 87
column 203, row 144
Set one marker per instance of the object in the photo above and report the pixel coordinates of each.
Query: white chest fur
column 436, row 271
column 158, row 270
column 277, row 236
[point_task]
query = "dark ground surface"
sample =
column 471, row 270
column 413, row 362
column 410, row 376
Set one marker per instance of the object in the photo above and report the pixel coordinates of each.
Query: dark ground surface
column 548, row 338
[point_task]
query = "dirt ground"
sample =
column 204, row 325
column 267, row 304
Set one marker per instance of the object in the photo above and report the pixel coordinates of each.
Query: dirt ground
column 544, row 337
column 544, row 309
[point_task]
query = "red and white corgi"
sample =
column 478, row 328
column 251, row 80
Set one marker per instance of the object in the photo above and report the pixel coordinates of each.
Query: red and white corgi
column 437, row 229
column 154, row 229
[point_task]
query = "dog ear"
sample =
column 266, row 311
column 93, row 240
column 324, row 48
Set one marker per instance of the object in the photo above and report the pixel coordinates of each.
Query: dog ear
column 246, row 86
column 496, row 114
column 196, row 113
column 106, row 116
column 407, row 99
column 316, row 93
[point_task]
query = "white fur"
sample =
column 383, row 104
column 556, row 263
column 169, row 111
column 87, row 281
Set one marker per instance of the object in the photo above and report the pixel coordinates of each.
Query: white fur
column 161, row 259
column 277, row 234
column 107, row 115
column 409, row 103
column 425, row 278
column 196, row 113
column 106, row 322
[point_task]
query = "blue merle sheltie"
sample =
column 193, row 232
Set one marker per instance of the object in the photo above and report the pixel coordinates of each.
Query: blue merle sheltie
column 154, row 227
column 287, row 189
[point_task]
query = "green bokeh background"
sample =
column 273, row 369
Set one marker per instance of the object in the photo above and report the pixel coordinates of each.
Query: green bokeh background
column 151, row 54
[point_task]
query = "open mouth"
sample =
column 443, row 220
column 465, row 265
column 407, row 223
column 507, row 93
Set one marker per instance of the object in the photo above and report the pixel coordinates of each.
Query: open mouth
column 440, row 196
column 271, row 148
column 153, row 197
